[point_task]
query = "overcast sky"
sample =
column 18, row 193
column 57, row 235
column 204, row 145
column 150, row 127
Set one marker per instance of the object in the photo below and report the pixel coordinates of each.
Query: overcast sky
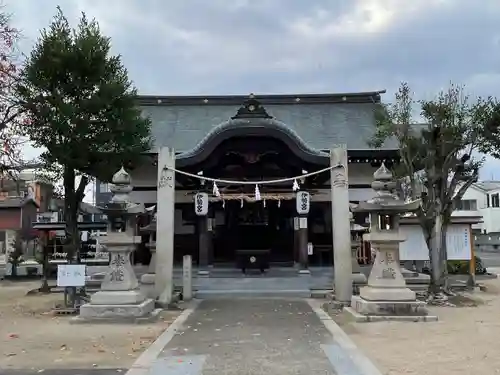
column 292, row 46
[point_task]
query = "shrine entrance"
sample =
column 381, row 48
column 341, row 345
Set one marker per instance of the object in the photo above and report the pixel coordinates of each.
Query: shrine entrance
column 252, row 228
column 246, row 225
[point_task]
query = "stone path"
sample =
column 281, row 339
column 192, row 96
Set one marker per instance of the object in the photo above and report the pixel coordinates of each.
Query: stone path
column 65, row 372
column 253, row 336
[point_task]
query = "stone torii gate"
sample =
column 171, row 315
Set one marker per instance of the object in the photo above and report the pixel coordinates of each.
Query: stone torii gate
column 165, row 225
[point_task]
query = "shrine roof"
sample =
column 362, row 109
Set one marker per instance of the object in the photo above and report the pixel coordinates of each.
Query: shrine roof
column 320, row 120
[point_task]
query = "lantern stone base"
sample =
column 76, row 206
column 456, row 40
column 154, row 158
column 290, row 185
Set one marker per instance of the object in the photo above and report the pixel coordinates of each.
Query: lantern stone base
column 118, row 306
column 371, row 311
column 403, row 294
column 148, row 285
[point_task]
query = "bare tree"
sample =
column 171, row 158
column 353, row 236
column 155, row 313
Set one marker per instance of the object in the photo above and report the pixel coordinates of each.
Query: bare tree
column 437, row 163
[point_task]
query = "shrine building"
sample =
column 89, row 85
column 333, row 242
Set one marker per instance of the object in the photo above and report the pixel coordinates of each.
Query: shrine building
column 256, row 138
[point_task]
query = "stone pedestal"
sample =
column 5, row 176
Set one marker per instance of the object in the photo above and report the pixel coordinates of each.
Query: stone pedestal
column 148, row 279
column 120, row 299
column 358, row 279
column 418, row 282
column 386, row 297
column 187, row 278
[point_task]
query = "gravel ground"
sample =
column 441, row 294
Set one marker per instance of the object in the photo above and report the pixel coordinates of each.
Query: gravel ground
column 463, row 342
column 31, row 338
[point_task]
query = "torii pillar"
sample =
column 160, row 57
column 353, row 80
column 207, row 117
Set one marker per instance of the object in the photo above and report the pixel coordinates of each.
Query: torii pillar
column 165, row 226
column 341, row 226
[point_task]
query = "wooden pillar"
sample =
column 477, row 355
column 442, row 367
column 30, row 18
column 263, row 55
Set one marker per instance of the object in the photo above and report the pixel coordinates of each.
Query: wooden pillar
column 210, row 235
column 165, row 226
column 303, row 240
column 341, row 230
column 296, row 245
column 203, row 257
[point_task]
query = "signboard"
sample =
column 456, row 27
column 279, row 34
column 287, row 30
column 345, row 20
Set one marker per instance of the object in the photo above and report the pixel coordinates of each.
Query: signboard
column 70, row 275
column 303, row 202
column 458, row 243
column 201, row 204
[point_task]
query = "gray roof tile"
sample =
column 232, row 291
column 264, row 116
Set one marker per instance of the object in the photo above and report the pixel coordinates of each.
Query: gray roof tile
column 320, row 125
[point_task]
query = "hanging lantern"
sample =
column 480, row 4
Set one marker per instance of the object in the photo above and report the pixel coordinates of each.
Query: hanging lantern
column 201, row 204
column 302, row 202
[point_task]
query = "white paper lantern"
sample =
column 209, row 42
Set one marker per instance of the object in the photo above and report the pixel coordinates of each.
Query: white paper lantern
column 201, row 204
column 303, row 202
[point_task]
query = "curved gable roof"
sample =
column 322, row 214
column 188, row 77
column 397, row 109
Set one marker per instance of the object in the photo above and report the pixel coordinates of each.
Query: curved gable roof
column 251, row 120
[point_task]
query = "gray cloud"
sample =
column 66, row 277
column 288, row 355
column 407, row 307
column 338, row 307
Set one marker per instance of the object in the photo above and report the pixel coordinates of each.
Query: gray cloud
column 278, row 46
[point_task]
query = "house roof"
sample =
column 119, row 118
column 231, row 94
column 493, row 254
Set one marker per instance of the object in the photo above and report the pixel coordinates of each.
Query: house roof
column 320, row 120
column 488, row 185
column 16, row 202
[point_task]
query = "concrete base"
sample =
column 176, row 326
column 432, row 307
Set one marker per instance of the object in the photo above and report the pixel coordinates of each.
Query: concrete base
column 380, row 318
column 387, row 294
column 363, row 310
column 118, row 312
column 152, row 317
column 304, row 272
column 117, row 297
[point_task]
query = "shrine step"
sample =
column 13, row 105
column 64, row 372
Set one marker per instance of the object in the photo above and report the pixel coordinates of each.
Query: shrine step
column 255, row 293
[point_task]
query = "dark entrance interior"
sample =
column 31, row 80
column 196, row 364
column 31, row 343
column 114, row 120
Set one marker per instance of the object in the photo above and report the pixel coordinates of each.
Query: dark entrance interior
column 255, row 227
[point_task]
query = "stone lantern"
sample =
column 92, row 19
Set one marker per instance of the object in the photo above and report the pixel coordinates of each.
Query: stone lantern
column 120, row 297
column 386, row 295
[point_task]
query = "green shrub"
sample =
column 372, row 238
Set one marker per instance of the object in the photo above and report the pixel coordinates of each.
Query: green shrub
column 461, row 267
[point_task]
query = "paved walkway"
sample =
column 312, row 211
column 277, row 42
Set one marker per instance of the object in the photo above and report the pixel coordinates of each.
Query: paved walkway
column 253, row 336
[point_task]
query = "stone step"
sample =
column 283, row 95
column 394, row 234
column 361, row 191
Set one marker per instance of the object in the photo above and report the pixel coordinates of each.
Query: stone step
column 252, row 293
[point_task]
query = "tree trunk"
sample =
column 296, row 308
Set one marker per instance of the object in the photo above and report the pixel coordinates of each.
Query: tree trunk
column 436, row 241
column 71, row 215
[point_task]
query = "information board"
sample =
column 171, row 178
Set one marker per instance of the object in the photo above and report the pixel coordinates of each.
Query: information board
column 458, row 243
column 70, row 275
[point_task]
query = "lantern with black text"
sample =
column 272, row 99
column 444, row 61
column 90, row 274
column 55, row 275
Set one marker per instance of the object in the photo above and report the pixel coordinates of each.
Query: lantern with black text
column 303, row 202
column 201, row 204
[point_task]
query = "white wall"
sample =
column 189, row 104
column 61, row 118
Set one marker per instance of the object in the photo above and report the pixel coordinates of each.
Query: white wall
column 479, row 196
column 491, row 216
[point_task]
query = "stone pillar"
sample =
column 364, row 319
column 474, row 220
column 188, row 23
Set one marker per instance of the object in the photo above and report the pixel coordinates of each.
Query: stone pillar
column 340, row 225
column 302, row 245
column 165, row 226
column 187, row 278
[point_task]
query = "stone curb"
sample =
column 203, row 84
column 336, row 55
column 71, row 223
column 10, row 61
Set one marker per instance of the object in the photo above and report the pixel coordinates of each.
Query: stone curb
column 363, row 363
column 143, row 364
